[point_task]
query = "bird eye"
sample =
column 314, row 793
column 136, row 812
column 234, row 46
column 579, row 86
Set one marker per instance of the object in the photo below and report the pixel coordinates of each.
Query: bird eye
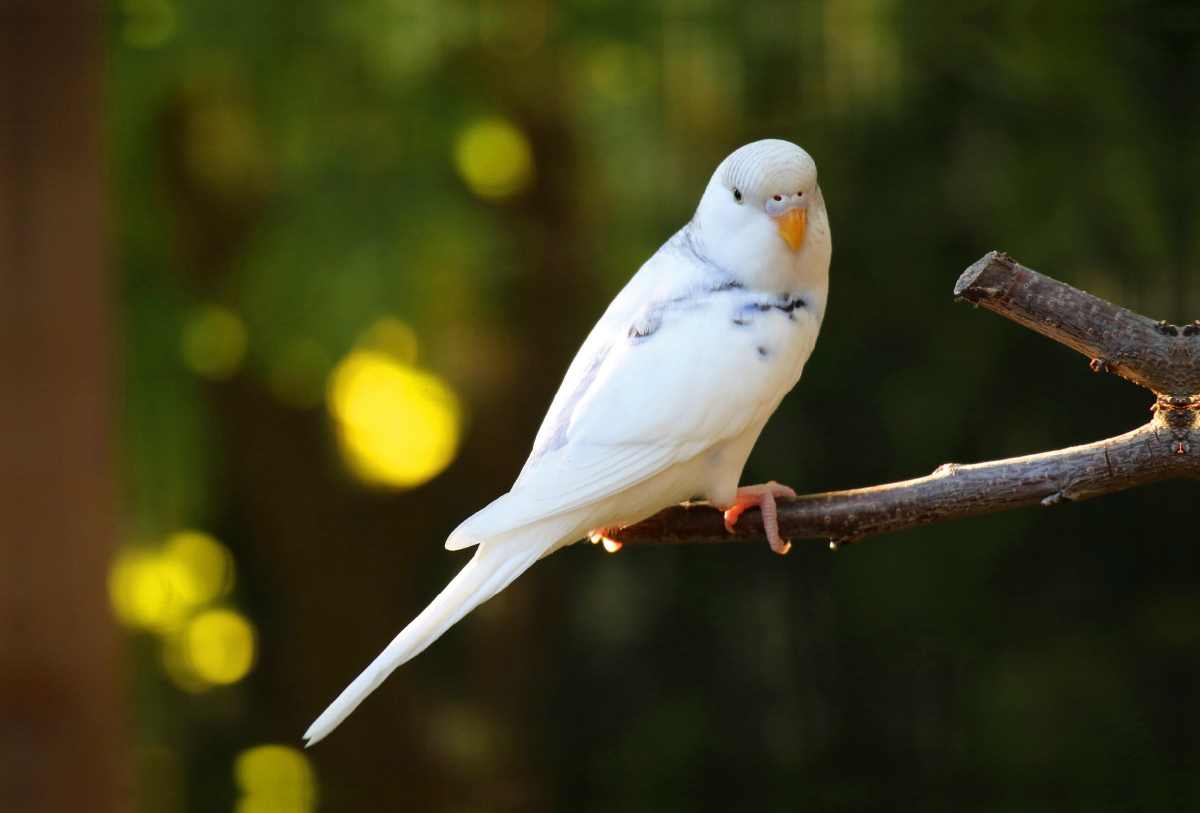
column 778, row 197
column 737, row 195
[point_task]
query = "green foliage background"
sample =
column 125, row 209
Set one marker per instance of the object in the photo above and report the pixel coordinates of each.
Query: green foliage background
column 292, row 160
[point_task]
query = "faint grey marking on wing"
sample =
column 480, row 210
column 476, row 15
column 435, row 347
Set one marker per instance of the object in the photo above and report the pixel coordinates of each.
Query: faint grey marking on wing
column 562, row 421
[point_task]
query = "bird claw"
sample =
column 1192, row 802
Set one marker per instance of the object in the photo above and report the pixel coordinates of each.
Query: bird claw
column 731, row 516
column 764, row 497
column 601, row 535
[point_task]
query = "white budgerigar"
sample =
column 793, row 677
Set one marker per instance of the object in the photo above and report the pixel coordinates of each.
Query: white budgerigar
column 665, row 398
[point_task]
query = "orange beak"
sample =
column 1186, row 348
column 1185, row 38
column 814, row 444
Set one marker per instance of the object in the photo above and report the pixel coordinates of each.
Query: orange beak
column 791, row 227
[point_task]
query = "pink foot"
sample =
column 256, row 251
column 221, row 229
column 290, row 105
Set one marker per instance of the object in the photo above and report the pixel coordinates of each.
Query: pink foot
column 601, row 535
column 764, row 497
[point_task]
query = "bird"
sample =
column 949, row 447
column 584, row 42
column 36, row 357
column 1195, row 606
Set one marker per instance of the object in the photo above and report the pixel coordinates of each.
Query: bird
column 666, row 397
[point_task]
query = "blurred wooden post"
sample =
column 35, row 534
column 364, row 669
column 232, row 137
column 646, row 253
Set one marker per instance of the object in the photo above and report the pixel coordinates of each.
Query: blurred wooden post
column 61, row 738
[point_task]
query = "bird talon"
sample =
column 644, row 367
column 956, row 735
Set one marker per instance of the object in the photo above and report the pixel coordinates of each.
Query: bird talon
column 601, row 535
column 764, row 497
column 731, row 516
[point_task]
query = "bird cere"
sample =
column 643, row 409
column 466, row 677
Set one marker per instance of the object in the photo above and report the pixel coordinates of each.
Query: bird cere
column 718, row 325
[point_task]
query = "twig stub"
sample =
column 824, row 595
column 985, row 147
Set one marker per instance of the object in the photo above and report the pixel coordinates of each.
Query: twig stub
column 991, row 277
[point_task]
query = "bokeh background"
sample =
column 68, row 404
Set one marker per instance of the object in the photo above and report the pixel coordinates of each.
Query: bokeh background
column 355, row 244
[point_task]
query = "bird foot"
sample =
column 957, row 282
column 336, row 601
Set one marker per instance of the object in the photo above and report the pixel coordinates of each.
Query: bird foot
column 764, row 497
column 601, row 535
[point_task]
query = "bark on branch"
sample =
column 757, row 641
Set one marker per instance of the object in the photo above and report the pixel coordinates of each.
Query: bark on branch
column 1163, row 357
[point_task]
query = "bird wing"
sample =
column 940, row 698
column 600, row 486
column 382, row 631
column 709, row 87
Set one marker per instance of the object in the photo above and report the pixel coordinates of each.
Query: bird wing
column 654, row 386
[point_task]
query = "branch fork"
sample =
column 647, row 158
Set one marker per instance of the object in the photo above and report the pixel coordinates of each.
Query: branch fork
column 1162, row 357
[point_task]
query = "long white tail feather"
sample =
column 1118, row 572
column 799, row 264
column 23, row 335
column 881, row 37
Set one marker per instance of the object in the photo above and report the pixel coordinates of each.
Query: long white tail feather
column 495, row 564
column 486, row 523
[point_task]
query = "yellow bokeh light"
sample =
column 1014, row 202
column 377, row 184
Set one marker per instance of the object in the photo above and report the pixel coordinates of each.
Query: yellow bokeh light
column 158, row 590
column 149, row 592
column 207, row 564
column 397, row 426
column 214, row 341
column 495, row 159
column 218, row 647
column 275, row 779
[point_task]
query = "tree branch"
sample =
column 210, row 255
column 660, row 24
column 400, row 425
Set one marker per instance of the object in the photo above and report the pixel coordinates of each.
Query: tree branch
column 952, row 491
column 1162, row 357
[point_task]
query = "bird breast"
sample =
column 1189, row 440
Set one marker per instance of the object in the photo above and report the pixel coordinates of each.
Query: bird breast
column 776, row 332
column 771, row 335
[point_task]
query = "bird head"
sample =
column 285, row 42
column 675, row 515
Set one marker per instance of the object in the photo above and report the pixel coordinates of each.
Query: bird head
column 763, row 210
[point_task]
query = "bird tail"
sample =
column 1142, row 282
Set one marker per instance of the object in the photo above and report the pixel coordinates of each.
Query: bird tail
column 496, row 563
